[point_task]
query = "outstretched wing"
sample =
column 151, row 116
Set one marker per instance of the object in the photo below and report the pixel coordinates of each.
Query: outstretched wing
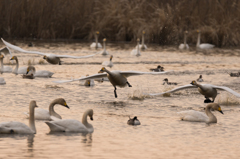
column 135, row 73
column 76, row 57
column 175, row 89
column 5, row 50
column 226, row 89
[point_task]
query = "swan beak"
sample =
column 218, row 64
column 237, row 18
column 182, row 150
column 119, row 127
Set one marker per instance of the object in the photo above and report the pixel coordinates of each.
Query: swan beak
column 44, row 57
column 91, row 118
column 36, row 106
column 27, row 71
column 12, row 58
column 220, row 110
column 67, row 106
column 192, row 83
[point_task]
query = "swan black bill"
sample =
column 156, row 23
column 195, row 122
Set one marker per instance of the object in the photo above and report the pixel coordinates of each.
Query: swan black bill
column 67, row 106
column 221, row 111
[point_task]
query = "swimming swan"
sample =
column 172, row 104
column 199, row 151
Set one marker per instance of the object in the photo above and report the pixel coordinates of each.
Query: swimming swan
column 18, row 127
column 17, row 70
column 71, row 125
column 96, row 44
column 184, row 45
column 208, row 90
column 2, row 81
column 104, row 52
column 108, row 63
column 203, row 45
column 142, row 46
column 133, row 121
column 50, row 58
column 43, row 114
column 40, row 73
column 136, row 52
column 117, row 78
column 196, row 116
column 200, row 79
column 4, row 69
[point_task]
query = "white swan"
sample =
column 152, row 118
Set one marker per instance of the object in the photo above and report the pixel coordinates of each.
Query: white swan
column 40, row 73
column 184, row 45
column 14, row 127
column 133, row 121
column 96, row 44
column 4, row 69
column 203, row 45
column 43, row 114
column 71, row 125
column 200, row 79
column 2, row 81
column 17, row 70
column 104, row 52
column 208, row 90
column 50, row 58
column 196, row 116
column 117, row 78
column 142, row 46
column 87, row 82
column 136, row 52
column 108, row 63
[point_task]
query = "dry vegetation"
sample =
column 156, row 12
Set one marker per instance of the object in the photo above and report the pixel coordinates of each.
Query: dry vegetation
column 163, row 20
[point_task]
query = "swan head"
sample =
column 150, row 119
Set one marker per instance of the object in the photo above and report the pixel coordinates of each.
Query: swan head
column 62, row 102
column 102, row 70
column 186, row 32
column 104, row 39
column 193, row 83
column 216, row 107
column 1, row 56
column 33, row 104
column 138, row 39
column 44, row 57
column 13, row 58
column 97, row 32
column 198, row 31
column 111, row 57
column 90, row 113
column 143, row 32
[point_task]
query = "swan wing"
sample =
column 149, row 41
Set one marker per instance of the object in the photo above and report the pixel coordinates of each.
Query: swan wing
column 192, row 115
column 43, row 73
column 206, row 46
column 135, row 73
column 6, row 51
column 175, row 89
column 2, row 81
column 40, row 114
column 14, row 127
column 76, row 57
column 223, row 88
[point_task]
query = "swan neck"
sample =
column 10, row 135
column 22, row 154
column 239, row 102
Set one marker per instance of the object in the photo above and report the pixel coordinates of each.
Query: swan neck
column 51, row 110
column 198, row 39
column 31, row 119
column 15, row 71
column 96, row 40
column 84, row 120
column 1, row 65
column 200, row 86
column 107, row 71
column 137, row 46
column 142, row 39
column 104, row 46
column 185, row 40
column 212, row 118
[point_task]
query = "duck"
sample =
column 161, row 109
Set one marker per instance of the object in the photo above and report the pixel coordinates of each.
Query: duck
column 133, row 121
column 50, row 58
column 184, row 45
column 50, row 114
column 104, row 52
column 196, row 116
column 158, row 69
column 17, row 70
column 4, row 69
column 142, row 46
column 40, row 73
column 71, row 125
column 96, row 44
column 200, row 79
column 108, row 63
column 136, row 52
column 234, row 74
column 169, row 83
column 203, row 45
column 14, row 127
column 208, row 90
column 116, row 78
column 2, row 81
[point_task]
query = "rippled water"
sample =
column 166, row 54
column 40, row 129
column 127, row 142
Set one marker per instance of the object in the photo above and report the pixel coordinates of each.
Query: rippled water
column 161, row 133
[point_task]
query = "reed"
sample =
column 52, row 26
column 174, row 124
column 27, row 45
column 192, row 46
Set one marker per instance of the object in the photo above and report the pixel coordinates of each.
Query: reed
column 122, row 20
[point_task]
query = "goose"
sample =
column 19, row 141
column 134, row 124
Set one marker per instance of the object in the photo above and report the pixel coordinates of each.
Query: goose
column 14, row 127
column 184, row 45
column 142, row 46
column 4, row 69
column 17, row 70
column 50, row 58
column 71, row 125
column 43, row 114
column 117, row 78
column 203, row 45
column 108, row 63
column 196, row 116
column 104, row 52
column 158, row 69
column 208, row 90
column 136, row 52
column 169, row 83
column 96, row 44
column 40, row 73
column 133, row 121
column 88, row 82
column 2, row 81
column 200, row 79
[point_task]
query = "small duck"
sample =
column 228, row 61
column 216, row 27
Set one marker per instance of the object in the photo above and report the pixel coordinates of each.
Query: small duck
column 200, row 79
column 133, row 121
column 234, row 74
column 158, row 69
column 169, row 83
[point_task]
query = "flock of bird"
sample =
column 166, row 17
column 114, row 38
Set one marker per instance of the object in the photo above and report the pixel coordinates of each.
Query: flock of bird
column 116, row 78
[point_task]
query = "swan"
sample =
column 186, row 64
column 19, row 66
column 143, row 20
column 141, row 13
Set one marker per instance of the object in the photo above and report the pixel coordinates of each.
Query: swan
column 87, row 82
column 40, row 73
column 17, row 70
column 104, row 52
column 108, row 63
column 133, row 121
column 208, row 90
column 28, row 76
column 117, row 78
column 2, row 81
column 43, row 114
column 142, row 46
column 96, row 44
column 71, row 125
column 169, row 83
column 4, row 69
column 158, row 69
column 196, row 116
column 184, row 45
column 136, row 52
column 200, row 79
column 14, row 127
column 50, row 58
column 203, row 45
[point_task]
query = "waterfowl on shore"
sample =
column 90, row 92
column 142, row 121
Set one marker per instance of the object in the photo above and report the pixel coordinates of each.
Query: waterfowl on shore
column 117, row 78
column 71, row 125
column 136, row 52
column 234, row 74
column 87, row 82
column 14, row 127
column 158, row 69
column 142, row 46
column 196, row 116
column 50, row 58
column 133, row 121
column 203, row 45
column 208, row 90
column 96, row 44
column 184, row 45
column 17, row 70
column 28, row 76
column 104, row 52
column 4, row 69
column 200, row 79
column 108, row 63
column 169, row 83
column 40, row 73
column 2, row 81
